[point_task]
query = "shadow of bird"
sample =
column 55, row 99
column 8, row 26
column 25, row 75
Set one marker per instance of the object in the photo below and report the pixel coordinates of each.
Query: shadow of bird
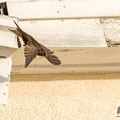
column 118, row 110
column 33, row 48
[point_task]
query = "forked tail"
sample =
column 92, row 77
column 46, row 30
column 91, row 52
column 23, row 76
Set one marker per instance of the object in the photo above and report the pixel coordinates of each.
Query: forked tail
column 18, row 31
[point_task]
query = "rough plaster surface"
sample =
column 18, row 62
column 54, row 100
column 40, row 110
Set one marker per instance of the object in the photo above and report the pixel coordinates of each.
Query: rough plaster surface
column 62, row 100
column 111, row 29
column 85, row 87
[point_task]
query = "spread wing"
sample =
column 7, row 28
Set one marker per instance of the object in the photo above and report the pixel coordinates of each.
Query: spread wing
column 30, row 52
column 50, row 56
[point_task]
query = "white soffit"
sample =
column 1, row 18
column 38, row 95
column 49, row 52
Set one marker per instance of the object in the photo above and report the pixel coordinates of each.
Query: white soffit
column 66, row 33
column 8, row 41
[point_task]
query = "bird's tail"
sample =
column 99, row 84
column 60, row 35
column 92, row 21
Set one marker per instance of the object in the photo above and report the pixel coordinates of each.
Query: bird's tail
column 18, row 31
column 18, row 27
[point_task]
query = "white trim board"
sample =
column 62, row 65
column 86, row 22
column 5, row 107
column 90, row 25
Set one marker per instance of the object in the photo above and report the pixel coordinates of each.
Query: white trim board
column 67, row 33
column 5, row 64
column 8, row 40
column 7, row 22
column 54, row 9
column 8, row 44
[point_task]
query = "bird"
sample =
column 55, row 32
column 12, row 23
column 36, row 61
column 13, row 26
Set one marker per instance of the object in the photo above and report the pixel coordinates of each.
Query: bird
column 33, row 48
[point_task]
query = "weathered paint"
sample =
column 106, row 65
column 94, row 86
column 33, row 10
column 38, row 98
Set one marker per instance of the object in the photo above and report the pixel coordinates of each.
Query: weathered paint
column 8, row 45
column 66, row 33
column 8, row 41
column 54, row 9
column 5, row 65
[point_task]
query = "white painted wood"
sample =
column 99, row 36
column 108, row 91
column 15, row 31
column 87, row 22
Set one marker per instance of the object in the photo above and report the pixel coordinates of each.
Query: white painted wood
column 6, row 51
column 8, row 41
column 67, row 33
column 19, row 0
column 5, row 65
column 7, row 22
column 7, row 38
column 54, row 9
column 8, row 44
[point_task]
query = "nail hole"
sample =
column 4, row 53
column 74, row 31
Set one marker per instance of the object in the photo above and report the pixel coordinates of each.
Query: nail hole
column 58, row 11
column 4, row 93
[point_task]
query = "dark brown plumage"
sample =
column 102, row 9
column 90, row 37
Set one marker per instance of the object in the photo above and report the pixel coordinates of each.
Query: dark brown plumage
column 33, row 48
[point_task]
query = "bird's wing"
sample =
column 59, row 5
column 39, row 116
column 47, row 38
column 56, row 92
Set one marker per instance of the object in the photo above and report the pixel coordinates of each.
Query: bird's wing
column 50, row 56
column 46, row 50
column 30, row 52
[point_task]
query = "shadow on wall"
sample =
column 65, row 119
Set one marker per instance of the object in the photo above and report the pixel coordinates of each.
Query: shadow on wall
column 3, row 79
column 70, row 65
